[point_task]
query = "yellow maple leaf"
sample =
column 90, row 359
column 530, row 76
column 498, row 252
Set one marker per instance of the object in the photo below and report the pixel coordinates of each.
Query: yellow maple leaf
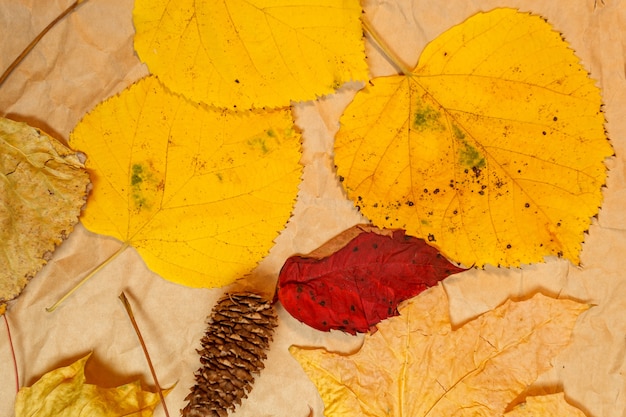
column 63, row 392
column 492, row 148
column 545, row 405
column 251, row 53
column 43, row 187
column 200, row 193
column 417, row 365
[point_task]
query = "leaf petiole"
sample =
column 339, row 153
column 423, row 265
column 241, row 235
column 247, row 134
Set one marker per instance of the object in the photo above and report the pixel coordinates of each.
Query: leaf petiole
column 89, row 275
column 35, row 41
column 131, row 316
column 391, row 55
column 17, row 375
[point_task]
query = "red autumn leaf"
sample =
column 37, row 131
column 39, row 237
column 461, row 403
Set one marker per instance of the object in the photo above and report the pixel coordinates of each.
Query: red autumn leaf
column 361, row 283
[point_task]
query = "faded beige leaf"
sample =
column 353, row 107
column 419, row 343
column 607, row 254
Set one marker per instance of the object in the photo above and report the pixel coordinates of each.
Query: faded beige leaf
column 42, row 189
column 477, row 369
column 545, row 405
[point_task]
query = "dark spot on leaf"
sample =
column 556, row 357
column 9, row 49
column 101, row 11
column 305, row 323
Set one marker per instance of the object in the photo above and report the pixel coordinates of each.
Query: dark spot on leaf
column 527, row 205
column 431, row 237
column 409, row 203
column 425, row 190
column 345, row 322
column 481, row 192
column 298, row 288
column 355, row 249
column 436, row 191
column 558, row 224
column 322, row 303
column 352, row 307
column 455, row 212
column 555, row 118
column 375, row 246
column 508, row 246
column 237, row 81
column 341, row 179
column 544, row 133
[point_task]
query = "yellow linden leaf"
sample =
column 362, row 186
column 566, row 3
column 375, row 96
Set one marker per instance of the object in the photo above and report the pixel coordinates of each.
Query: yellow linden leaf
column 546, row 405
column 43, row 187
column 64, row 393
column 417, row 365
column 492, row 149
column 200, row 193
column 251, row 53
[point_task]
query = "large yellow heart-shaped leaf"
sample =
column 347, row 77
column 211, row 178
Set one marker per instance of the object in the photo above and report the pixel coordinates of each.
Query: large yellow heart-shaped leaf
column 252, row 53
column 492, row 148
column 200, row 193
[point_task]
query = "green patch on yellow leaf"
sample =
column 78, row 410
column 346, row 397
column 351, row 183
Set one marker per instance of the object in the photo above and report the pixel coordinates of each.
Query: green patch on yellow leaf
column 477, row 369
column 496, row 138
column 200, row 193
column 64, row 392
column 251, row 53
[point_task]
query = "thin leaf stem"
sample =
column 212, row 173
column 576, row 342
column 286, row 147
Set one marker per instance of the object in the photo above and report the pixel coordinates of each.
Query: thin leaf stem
column 35, row 41
column 390, row 54
column 129, row 311
column 87, row 277
column 17, row 375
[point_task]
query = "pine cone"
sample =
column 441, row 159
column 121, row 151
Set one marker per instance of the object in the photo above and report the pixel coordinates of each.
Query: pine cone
column 239, row 331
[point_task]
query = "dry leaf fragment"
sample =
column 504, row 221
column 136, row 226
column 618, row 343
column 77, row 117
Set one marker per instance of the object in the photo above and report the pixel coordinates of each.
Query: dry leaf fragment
column 492, row 148
column 243, row 54
column 200, row 193
column 64, row 393
column 545, row 405
column 43, row 187
column 479, row 368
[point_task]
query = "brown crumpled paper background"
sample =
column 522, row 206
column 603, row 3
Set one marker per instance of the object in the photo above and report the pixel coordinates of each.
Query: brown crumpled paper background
column 89, row 56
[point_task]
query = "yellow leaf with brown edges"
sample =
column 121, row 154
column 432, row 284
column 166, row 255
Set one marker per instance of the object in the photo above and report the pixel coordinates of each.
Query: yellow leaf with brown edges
column 254, row 53
column 416, row 365
column 200, row 193
column 492, row 148
column 64, row 392
column 43, row 186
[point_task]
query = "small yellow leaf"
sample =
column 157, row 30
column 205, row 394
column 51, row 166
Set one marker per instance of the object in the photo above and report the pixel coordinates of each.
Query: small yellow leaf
column 416, row 365
column 200, row 193
column 43, row 186
column 545, row 405
column 492, row 149
column 64, row 393
column 251, row 53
